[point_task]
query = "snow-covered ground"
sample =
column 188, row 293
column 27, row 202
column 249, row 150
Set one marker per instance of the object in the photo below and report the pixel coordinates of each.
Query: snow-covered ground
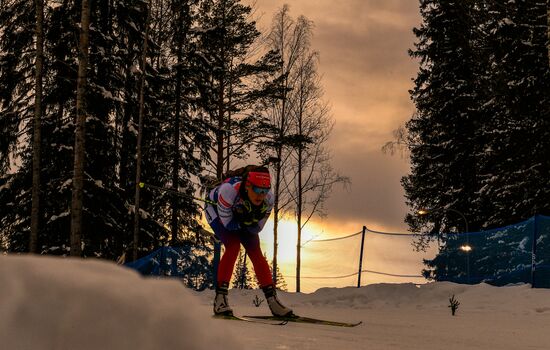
column 53, row 303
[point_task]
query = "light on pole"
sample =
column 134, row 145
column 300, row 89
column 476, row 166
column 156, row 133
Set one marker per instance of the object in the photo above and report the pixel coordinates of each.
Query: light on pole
column 467, row 248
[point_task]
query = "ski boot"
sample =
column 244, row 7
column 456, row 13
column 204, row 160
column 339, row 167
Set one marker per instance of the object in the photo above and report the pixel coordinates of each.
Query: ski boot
column 277, row 309
column 221, row 305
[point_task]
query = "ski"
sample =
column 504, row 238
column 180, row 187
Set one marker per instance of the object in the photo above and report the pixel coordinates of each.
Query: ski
column 301, row 319
column 252, row 320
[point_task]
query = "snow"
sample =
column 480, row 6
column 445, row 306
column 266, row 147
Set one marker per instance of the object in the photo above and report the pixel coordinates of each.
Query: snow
column 55, row 217
column 135, row 68
column 66, row 184
column 53, row 4
column 7, row 185
column 131, row 128
column 108, row 95
column 55, row 303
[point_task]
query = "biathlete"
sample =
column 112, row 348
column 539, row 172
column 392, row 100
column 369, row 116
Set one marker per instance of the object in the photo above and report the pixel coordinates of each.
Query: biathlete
column 243, row 205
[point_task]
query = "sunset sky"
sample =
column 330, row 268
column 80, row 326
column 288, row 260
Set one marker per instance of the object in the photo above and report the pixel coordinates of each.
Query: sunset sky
column 366, row 74
column 366, row 77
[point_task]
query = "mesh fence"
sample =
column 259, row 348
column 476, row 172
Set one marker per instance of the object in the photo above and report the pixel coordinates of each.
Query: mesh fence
column 335, row 262
column 518, row 253
column 187, row 263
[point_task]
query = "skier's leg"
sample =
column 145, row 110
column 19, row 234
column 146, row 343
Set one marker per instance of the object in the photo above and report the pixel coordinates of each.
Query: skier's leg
column 227, row 262
column 263, row 273
column 275, row 305
column 232, row 246
column 221, row 303
column 212, row 216
column 251, row 243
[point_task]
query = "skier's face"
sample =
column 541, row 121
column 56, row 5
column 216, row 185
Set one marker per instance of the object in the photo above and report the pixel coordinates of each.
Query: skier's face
column 256, row 195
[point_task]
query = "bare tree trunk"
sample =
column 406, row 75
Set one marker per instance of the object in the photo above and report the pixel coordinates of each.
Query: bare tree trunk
column 220, row 132
column 124, row 175
column 79, row 150
column 314, row 174
column 143, row 68
column 276, row 214
column 228, row 135
column 278, row 174
column 176, row 166
column 37, row 139
column 299, row 238
column 548, row 29
column 221, row 111
column 299, row 203
column 281, row 42
column 299, row 206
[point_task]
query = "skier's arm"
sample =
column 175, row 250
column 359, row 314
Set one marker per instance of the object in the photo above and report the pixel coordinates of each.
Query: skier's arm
column 226, row 199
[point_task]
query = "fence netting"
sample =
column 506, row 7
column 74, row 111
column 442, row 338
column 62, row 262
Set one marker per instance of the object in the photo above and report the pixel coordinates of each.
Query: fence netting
column 335, row 261
column 187, row 263
column 518, row 253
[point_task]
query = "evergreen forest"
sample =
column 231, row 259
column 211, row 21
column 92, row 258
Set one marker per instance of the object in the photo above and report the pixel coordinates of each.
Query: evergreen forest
column 479, row 141
column 116, row 117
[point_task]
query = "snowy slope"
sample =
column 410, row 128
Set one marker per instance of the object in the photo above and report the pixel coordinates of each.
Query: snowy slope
column 49, row 303
column 53, row 303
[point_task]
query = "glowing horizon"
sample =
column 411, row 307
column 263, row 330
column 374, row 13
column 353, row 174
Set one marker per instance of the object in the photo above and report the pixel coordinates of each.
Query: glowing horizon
column 321, row 260
column 325, row 263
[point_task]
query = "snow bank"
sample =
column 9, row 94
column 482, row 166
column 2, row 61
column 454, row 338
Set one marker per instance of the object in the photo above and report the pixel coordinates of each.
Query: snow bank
column 55, row 303
column 512, row 298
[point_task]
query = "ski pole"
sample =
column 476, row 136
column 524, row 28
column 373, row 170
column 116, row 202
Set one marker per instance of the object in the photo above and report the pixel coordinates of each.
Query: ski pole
column 174, row 192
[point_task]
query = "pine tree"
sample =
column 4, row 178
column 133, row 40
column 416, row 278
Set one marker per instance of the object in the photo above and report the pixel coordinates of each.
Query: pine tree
column 243, row 277
column 115, row 39
column 80, row 133
column 17, row 24
column 37, row 127
column 223, row 59
column 180, row 156
column 513, row 184
column 174, row 138
column 482, row 86
column 442, row 134
column 280, row 282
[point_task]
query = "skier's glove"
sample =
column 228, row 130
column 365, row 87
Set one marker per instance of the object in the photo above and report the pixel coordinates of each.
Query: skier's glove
column 254, row 229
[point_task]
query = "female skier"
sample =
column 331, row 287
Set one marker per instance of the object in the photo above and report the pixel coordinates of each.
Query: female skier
column 243, row 205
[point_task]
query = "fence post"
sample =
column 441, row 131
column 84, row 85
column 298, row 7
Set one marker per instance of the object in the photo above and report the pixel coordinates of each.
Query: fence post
column 361, row 257
column 534, row 252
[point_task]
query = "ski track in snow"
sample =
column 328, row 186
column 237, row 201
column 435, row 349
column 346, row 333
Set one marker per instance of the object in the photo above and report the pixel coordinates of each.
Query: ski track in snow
column 404, row 316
